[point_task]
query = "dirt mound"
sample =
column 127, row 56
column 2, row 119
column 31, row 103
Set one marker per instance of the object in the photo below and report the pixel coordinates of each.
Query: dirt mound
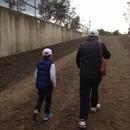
column 17, row 67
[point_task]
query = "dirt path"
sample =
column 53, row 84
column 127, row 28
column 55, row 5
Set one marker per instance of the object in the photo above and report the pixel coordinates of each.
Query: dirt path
column 115, row 89
column 17, row 102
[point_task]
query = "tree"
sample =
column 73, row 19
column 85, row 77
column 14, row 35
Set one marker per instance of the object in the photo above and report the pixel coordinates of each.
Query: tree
column 72, row 12
column 71, row 15
column 56, row 10
column 61, row 10
column 12, row 3
column 103, row 32
column 115, row 33
column 46, row 9
column 75, row 23
column 19, row 4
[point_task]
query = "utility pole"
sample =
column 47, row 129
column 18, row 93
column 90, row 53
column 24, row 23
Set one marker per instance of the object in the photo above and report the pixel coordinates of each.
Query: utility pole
column 129, row 15
column 125, row 16
column 89, row 24
column 35, row 7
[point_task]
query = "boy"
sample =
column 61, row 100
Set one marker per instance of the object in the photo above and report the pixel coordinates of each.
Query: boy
column 45, row 75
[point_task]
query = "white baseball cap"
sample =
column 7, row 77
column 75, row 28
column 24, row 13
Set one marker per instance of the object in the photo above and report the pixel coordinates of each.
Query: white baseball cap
column 93, row 33
column 47, row 52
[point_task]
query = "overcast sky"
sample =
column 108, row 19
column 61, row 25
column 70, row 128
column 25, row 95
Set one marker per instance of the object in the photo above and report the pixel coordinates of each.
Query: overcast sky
column 106, row 14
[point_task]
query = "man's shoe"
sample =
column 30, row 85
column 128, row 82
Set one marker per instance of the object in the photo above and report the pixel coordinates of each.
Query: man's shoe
column 82, row 123
column 95, row 109
column 35, row 115
column 47, row 116
column 98, row 107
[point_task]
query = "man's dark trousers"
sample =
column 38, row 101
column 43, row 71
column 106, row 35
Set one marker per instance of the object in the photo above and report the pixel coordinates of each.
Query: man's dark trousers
column 88, row 92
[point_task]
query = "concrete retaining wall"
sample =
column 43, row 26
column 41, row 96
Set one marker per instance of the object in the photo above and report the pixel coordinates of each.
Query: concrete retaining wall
column 20, row 33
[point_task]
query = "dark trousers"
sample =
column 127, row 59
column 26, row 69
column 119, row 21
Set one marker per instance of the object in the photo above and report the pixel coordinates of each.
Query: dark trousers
column 88, row 95
column 44, row 94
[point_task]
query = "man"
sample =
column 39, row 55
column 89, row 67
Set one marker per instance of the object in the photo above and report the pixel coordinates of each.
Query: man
column 88, row 60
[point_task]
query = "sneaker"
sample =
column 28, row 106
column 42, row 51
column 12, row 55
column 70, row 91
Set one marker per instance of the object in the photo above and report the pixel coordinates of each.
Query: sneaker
column 98, row 107
column 95, row 109
column 47, row 116
column 35, row 115
column 82, row 123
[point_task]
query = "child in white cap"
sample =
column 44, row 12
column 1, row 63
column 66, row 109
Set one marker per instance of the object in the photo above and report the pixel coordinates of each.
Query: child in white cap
column 45, row 75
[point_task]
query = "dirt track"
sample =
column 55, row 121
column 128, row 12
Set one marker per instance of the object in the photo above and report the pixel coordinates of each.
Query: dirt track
column 17, row 101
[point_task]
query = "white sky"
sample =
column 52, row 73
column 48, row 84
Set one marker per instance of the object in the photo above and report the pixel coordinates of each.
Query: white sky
column 105, row 14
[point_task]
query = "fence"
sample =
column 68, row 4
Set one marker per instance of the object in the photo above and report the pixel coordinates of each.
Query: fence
column 30, row 7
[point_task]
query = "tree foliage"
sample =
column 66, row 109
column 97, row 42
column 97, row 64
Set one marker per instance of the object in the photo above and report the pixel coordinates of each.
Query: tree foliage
column 19, row 4
column 46, row 9
column 75, row 23
column 54, row 9
column 11, row 3
column 61, row 10
column 116, row 33
column 71, row 15
column 72, row 12
column 103, row 32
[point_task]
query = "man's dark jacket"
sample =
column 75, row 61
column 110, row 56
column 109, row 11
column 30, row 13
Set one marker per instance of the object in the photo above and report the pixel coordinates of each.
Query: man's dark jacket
column 88, row 58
